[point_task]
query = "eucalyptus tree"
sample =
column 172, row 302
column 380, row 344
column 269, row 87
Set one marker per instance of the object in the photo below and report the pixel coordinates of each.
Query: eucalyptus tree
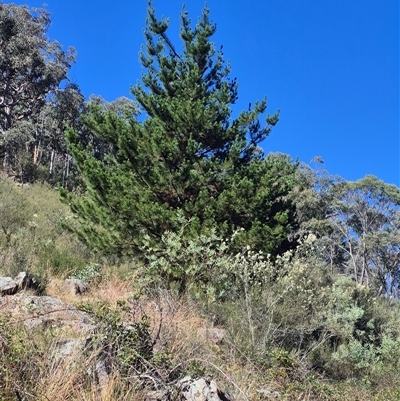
column 31, row 67
column 357, row 226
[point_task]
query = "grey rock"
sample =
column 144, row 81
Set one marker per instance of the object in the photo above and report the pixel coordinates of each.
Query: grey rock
column 8, row 286
column 65, row 348
column 102, row 373
column 213, row 334
column 24, row 281
column 75, row 286
column 201, row 390
column 35, row 311
column 189, row 389
column 266, row 392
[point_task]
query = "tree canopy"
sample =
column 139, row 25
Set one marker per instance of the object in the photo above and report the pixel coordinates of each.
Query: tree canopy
column 184, row 155
column 357, row 228
column 31, row 68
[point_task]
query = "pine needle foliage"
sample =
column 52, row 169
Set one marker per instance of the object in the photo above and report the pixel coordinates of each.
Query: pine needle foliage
column 185, row 153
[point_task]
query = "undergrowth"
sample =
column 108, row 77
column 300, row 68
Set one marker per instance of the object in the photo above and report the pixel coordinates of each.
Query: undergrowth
column 291, row 329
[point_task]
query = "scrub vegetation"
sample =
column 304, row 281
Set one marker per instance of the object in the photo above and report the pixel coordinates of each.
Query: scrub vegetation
column 167, row 206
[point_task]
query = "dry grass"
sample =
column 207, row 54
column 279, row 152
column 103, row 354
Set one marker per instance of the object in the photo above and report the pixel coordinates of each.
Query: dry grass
column 181, row 333
column 111, row 289
column 69, row 380
column 177, row 330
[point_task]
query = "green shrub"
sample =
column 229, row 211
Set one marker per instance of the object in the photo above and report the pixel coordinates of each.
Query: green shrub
column 91, row 273
column 124, row 347
column 295, row 307
column 200, row 266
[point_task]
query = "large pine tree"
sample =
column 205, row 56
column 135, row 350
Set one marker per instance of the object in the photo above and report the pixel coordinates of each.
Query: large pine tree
column 186, row 155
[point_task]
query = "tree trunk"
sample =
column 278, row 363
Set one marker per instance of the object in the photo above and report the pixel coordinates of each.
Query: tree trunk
column 7, row 162
column 52, row 158
column 8, row 149
column 67, row 159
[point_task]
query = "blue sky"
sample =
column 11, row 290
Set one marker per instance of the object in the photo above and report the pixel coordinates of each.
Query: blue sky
column 330, row 67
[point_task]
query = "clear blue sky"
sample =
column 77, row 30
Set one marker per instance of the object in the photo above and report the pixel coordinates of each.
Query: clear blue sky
column 330, row 66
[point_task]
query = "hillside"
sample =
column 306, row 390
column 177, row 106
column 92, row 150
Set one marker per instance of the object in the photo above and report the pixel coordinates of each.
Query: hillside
column 301, row 332
column 151, row 245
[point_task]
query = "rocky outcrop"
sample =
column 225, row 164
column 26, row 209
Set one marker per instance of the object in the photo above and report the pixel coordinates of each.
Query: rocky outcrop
column 78, row 328
column 10, row 286
column 35, row 311
column 23, row 281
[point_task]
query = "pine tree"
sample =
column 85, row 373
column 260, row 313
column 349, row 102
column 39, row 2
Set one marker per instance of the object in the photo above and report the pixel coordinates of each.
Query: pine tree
column 186, row 157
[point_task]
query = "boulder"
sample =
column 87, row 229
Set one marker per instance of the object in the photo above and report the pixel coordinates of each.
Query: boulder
column 24, row 281
column 36, row 311
column 8, row 286
column 200, row 390
column 75, row 286
column 189, row 389
column 66, row 347
column 215, row 335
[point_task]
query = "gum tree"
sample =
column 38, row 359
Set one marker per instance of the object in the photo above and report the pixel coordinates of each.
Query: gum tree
column 31, row 67
column 357, row 226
